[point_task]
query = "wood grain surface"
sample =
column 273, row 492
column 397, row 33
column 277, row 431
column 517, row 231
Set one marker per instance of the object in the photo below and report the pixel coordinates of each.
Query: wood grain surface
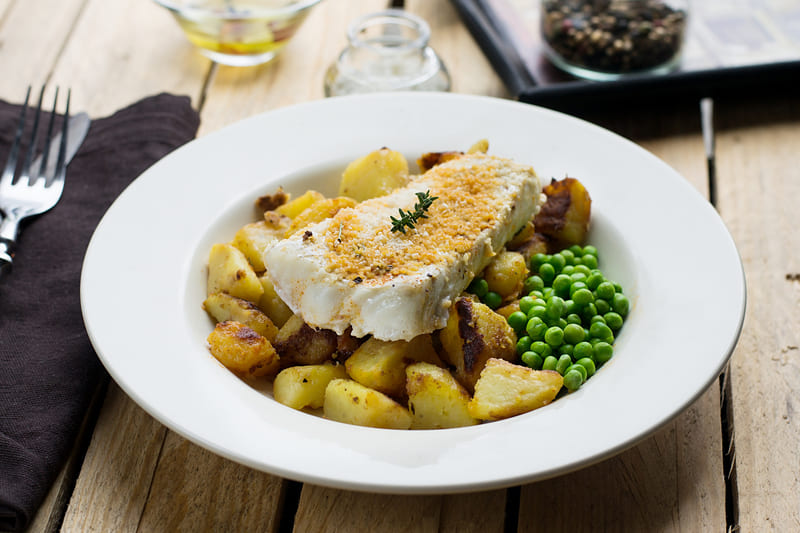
column 132, row 474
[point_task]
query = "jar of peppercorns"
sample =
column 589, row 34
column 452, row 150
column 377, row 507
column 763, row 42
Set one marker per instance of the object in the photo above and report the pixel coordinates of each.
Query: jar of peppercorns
column 609, row 39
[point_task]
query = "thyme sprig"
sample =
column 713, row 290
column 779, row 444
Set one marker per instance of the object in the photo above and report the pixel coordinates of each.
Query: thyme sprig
column 409, row 218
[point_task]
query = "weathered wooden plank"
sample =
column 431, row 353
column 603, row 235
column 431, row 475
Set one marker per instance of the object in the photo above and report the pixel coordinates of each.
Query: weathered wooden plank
column 196, row 490
column 758, row 187
column 112, row 488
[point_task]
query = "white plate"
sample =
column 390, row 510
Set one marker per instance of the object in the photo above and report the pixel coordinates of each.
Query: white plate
column 144, row 280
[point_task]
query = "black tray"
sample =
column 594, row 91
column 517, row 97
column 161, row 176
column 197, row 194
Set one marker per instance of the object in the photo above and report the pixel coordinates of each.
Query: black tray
column 729, row 51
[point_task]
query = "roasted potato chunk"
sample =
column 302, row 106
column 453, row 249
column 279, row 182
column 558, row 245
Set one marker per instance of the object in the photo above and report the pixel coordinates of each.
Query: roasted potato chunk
column 430, row 159
column 270, row 202
column 565, row 215
column 352, row 403
column 505, row 389
column 304, row 386
column 252, row 239
column 436, row 399
column 473, row 335
column 229, row 271
column 506, row 273
column 376, row 174
column 223, row 307
column 271, row 303
column 479, row 147
column 294, row 207
column 381, row 365
column 300, row 344
column 242, row 350
column 538, row 243
column 317, row 212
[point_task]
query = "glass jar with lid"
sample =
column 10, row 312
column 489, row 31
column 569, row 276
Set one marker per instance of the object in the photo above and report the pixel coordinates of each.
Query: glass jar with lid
column 609, row 39
column 387, row 51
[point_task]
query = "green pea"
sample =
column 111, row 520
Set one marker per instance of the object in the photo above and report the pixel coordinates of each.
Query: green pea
column 532, row 359
column 536, row 328
column 547, row 293
column 547, row 273
column 583, row 350
column 573, row 334
column 561, row 322
column 532, row 283
column 538, row 311
column 603, row 306
column 597, row 318
column 561, row 285
column 617, row 287
column 554, row 336
column 538, row 260
column 595, row 279
column 583, row 297
column 576, row 250
column 523, row 344
column 614, row 320
column 538, row 294
column 588, row 311
column 576, row 286
column 564, row 361
column 589, row 261
column 517, row 320
column 589, row 250
column 588, row 364
column 568, row 270
column 558, row 262
column 573, row 380
column 542, row 348
column 525, row 303
column 583, row 269
column 599, row 330
column 574, row 318
column 603, row 352
column 578, row 276
column 479, row 287
column 550, row 362
column 555, row 307
column 571, row 307
column 605, row 290
column 492, row 299
column 566, row 349
column 620, row 304
column 569, row 256
column 579, row 368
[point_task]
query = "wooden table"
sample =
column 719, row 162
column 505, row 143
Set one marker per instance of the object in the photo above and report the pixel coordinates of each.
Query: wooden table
column 729, row 462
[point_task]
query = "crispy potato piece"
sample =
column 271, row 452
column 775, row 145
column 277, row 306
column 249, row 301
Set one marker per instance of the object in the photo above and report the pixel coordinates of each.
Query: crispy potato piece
column 537, row 243
column 352, row 403
column 297, row 205
column 430, row 159
column 223, row 307
column 505, row 389
column 436, row 399
column 506, row 273
column 376, row 174
column 566, row 213
column 229, row 271
column 242, row 350
column 319, row 211
column 271, row 303
column 381, row 365
column 300, row 344
column 252, row 239
column 473, row 335
column 304, row 386
column 270, row 202
column 481, row 147
column 522, row 236
column 507, row 309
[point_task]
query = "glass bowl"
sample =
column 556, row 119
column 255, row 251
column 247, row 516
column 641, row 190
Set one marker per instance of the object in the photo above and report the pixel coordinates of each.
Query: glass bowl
column 239, row 32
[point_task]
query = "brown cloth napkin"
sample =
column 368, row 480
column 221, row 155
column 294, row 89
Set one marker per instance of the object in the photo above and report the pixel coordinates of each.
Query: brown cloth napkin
column 48, row 369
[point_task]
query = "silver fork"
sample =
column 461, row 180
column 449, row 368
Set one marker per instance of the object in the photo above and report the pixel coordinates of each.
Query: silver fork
column 30, row 192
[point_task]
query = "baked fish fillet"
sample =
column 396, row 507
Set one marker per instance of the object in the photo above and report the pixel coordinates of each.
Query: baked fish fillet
column 353, row 270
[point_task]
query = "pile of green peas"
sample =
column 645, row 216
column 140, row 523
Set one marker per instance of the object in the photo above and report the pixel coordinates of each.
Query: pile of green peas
column 569, row 315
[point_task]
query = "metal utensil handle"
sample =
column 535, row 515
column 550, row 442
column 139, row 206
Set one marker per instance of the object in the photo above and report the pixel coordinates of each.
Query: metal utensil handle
column 9, row 229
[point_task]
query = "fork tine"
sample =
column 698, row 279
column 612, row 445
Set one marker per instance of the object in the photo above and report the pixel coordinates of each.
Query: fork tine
column 48, row 138
column 25, row 171
column 61, row 166
column 11, row 163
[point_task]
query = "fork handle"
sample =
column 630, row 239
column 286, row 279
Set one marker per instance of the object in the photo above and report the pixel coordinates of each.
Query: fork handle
column 9, row 229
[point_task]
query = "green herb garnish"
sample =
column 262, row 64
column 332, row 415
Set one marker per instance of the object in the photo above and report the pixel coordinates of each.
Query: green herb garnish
column 409, row 218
